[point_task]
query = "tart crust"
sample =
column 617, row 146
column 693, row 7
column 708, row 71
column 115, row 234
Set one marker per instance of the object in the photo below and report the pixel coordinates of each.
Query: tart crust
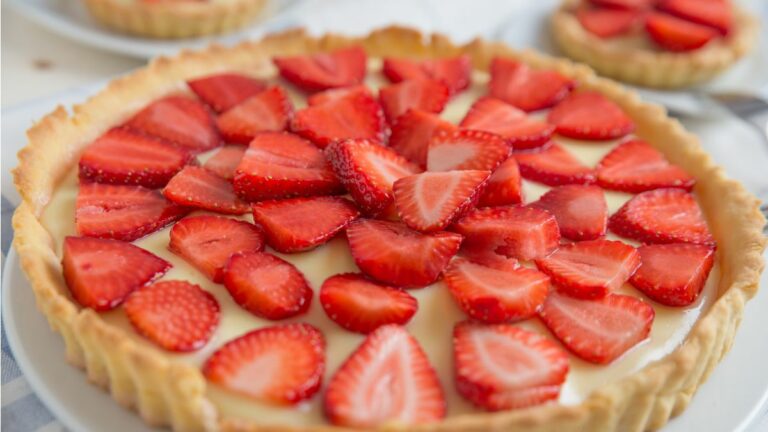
column 646, row 67
column 167, row 392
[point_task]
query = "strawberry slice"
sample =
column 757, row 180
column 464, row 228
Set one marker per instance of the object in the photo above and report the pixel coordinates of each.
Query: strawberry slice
column 122, row 212
column 488, row 258
column 589, row 115
column 225, row 90
column 454, row 72
column 495, row 295
column 590, row 269
column 712, row 13
column 361, row 305
column 339, row 93
column 354, row 116
column 466, row 150
column 554, row 166
column 207, row 242
column 607, row 23
column 413, row 131
column 501, row 367
column 397, row 255
column 425, row 95
column 432, row 200
column 225, row 161
column 176, row 315
column 673, row 274
column 625, row 4
column 513, row 125
column 321, row 71
column 197, row 187
column 281, row 365
column 268, row 111
column 662, row 216
column 368, row 171
column 677, row 34
column 528, row 89
column 634, row 166
column 598, row 331
column 267, row 286
column 581, row 211
column 180, row 120
column 516, row 232
column 122, row 156
column 386, row 380
column 100, row 273
column 300, row 224
column 504, row 187
column 278, row 165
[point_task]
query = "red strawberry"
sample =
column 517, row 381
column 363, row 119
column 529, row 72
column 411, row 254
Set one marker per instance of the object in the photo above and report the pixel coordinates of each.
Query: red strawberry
column 278, row 165
column 454, row 72
column 581, row 211
column 520, row 131
column 488, row 258
column 425, row 95
column 504, row 187
column 207, row 242
column 713, row 13
column 502, row 367
column 176, row 315
column 554, row 166
column 518, row 232
column 607, row 23
column 495, row 295
column 180, row 120
column 466, row 150
column 223, row 91
column 225, row 161
column 299, row 224
column 395, row 254
column 341, row 68
column 268, row 111
column 197, row 187
column 590, row 269
column 355, row 116
column 122, row 212
column 591, row 116
column 634, row 166
column 625, row 4
column 282, row 364
column 598, row 331
column 673, row 274
column 528, row 89
column 387, row 380
column 339, row 93
column 361, row 305
column 100, row 273
column 266, row 285
column 662, row 216
column 368, row 171
column 413, row 131
column 676, row 34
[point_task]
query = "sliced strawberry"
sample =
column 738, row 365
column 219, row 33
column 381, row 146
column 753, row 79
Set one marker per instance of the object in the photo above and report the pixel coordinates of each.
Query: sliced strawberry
column 495, row 116
column 528, row 89
column 278, row 165
column 267, row 286
column 355, row 116
column 122, row 212
column 176, row 315
column 517, row 232
column 299, row 224
column 625, row 4
column 207, row 242
column 673, row 274
column 598, row 331
column 268, row 111
column 122, row 156
column 607, row 23
column 282, row 364
column 454, row 72
column 466, row 150
column 387, row 380
column 425, row 95
column 180, row 120
column 225, row 90
column 321, row 71
column 395, row 254
column 413, row 131
column 634, row 166
column 197, row 187
column 677, row 34
column 581, row 211
column 713, row 13
column 501, row 367
column 554, row 166
column 495, row 295
column 662, row 216
column 225, row 161
column 339, row 93
column 488, row 258
column 504, row 187
column 591, row 116
column 100, row 273
column 368, row 171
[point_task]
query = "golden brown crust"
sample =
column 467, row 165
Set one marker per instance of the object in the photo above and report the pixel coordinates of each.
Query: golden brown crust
column 168, row 392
